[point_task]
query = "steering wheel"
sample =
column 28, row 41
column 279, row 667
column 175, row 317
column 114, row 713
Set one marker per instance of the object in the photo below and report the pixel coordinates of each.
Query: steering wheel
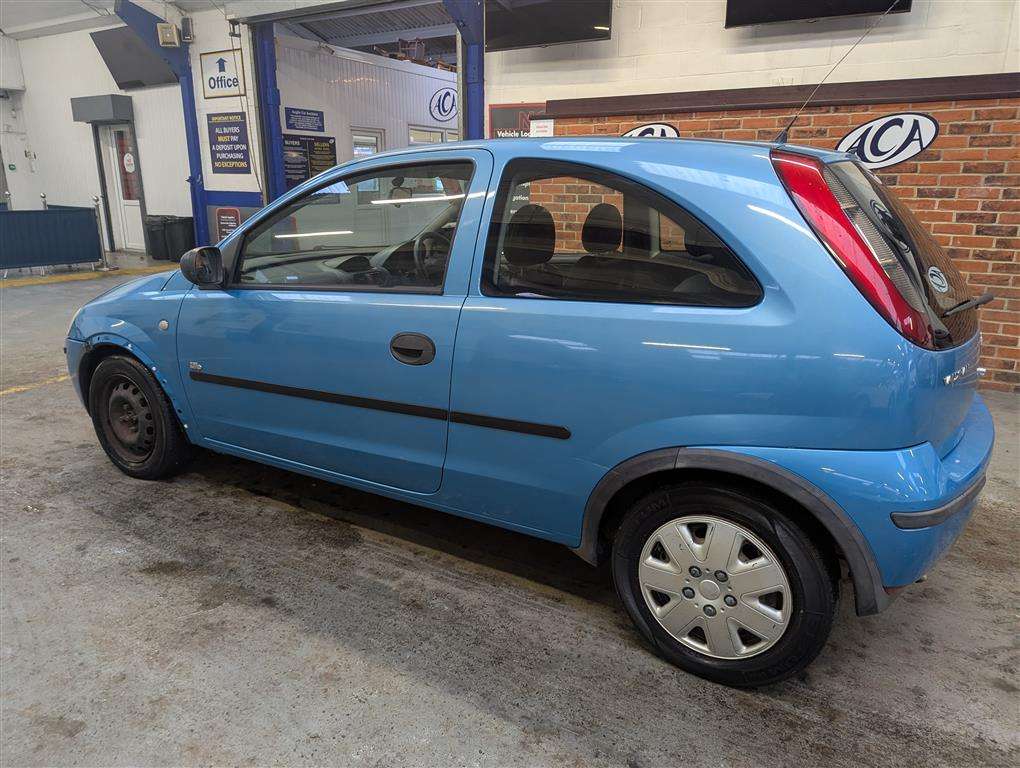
column 424, row 247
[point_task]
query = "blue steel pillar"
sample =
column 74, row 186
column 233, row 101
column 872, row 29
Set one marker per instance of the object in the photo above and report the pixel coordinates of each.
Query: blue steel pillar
column 269, row 109
column 469, row 16
column 143, row 24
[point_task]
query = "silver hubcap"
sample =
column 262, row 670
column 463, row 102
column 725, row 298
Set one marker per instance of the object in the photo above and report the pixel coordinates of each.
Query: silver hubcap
column 715, row 586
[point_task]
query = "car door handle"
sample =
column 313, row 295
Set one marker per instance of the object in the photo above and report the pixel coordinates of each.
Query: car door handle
column 412, row 349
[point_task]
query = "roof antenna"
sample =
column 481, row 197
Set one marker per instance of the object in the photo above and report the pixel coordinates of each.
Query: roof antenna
column 784, row 135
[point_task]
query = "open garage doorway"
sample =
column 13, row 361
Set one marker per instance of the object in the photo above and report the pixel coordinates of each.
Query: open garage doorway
column 357, row 81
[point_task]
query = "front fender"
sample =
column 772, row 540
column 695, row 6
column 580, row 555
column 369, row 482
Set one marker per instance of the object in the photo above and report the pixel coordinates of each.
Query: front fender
column 131, row 318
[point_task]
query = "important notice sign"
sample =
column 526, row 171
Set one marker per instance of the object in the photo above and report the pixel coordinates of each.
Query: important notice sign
column 228, row 143
column 306, row 156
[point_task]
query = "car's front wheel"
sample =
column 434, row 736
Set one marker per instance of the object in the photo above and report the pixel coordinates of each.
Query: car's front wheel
column 723, row 584
column 135, row 421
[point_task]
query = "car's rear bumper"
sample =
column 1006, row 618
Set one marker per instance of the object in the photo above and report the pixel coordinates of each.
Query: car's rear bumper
column 910, row 505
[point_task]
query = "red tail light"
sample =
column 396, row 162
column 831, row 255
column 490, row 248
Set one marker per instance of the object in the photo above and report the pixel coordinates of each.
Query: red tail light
column 805, row 180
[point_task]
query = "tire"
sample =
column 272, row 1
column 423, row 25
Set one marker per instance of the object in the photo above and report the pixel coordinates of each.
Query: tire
column 753, row 625
column 134, row 420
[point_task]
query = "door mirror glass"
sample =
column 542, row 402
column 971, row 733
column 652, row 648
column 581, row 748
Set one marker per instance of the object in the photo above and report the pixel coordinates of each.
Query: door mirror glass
column 203, row 266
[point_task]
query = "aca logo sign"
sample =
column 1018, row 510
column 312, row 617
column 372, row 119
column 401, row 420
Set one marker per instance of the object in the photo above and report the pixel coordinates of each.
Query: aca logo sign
column 891, row 139
column 443, row 105
column 653, row 131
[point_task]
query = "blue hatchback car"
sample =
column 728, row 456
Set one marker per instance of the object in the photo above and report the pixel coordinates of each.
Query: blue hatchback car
column 726, row 370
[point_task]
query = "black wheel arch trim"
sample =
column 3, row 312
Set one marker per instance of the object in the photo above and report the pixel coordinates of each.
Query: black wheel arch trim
column 870, row 595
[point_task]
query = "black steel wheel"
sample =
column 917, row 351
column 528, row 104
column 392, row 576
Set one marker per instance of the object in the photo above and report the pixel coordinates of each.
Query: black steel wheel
column 134, row 420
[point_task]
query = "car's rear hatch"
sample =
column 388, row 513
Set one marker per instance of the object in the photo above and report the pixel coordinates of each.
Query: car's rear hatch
column 904, row 273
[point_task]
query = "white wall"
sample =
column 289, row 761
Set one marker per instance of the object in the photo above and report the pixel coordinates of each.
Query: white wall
column 662, row 46
column 359, row 90
column 58, row 67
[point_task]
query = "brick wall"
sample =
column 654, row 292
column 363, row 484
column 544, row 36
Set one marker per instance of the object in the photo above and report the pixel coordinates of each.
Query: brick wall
column 965, row 187
column 569, row 200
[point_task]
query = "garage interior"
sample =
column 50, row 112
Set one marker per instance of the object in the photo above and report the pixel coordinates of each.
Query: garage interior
column 241, row 614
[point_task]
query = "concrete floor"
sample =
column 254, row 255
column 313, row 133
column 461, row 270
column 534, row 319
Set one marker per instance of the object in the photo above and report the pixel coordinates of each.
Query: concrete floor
column 244, row 615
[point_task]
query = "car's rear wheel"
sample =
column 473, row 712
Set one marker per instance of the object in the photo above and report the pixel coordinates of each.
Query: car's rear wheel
column 134, row 420
column 723, row 584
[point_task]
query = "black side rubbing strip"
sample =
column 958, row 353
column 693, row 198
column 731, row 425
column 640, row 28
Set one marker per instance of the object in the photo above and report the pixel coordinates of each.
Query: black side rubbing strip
column 425, row 412
column 527, row 427
column 326, row 397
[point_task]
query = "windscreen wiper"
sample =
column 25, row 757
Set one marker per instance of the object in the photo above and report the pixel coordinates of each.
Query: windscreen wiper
column 984, row 298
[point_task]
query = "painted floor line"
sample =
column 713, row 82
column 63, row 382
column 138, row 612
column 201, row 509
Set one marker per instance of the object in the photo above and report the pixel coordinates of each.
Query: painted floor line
column 34, row 385
column 68, row 277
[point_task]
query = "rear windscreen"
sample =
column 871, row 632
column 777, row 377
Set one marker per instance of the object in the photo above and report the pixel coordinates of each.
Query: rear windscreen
column 936, row 284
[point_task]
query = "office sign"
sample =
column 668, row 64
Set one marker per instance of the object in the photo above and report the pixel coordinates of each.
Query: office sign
column 222, row 74
column 304, row 119
column 443, row 105
column 892, row 139
column 229, row 151
column 306, row 156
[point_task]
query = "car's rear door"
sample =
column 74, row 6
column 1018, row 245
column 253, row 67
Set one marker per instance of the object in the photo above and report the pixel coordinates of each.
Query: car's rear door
column 331, row 348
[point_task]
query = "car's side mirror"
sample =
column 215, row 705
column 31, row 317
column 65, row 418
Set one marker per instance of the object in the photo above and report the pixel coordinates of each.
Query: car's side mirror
column 203, row 266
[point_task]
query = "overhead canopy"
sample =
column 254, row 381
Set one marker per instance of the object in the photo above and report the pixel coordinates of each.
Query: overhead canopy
column 111, row 108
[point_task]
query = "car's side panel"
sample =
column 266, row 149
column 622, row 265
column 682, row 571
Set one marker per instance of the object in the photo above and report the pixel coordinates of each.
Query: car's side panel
column 251, row 344
column 820, row 371
column 307, row 375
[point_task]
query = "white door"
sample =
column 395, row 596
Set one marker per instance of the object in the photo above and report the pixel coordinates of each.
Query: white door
column 123, row 187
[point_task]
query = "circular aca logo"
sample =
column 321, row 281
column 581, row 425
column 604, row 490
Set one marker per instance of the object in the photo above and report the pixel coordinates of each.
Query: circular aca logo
column 653, row 131
column 938, row 279
column 443, row 104
column 892, row 139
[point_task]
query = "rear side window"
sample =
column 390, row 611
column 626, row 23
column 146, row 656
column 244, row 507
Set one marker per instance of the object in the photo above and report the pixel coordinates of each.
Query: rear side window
column 561, row 230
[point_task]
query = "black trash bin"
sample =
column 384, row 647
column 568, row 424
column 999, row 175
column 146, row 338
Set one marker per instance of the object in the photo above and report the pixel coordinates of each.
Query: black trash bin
column 180, row 236
column 155, row 236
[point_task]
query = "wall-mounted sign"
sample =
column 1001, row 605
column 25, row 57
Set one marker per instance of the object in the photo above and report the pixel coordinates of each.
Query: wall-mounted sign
column 227, row 220
column 129, row 162
column 228, row 143
column 892, row 139
column 654, row 131
column 443, row 105
column 306, row 156
column 304, row 119
column 222, row 74
column 543, row 128
column 511, row 121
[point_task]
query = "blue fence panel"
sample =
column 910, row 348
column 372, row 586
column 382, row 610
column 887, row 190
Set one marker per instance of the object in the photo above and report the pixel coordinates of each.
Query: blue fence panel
column 60, row 235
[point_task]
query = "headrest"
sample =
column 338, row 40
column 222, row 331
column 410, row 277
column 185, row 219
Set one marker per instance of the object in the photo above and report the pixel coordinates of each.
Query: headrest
column 530, row 237
column 603, row 229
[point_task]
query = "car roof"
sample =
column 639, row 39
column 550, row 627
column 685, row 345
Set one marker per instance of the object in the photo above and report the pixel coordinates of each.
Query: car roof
column 626, row 147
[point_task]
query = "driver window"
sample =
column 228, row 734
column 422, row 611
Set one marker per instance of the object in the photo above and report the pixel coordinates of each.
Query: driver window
column 391, row 229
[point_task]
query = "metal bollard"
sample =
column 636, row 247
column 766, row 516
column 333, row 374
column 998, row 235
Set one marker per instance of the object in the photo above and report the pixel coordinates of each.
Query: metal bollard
column 45, row 205
column 99, row 227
